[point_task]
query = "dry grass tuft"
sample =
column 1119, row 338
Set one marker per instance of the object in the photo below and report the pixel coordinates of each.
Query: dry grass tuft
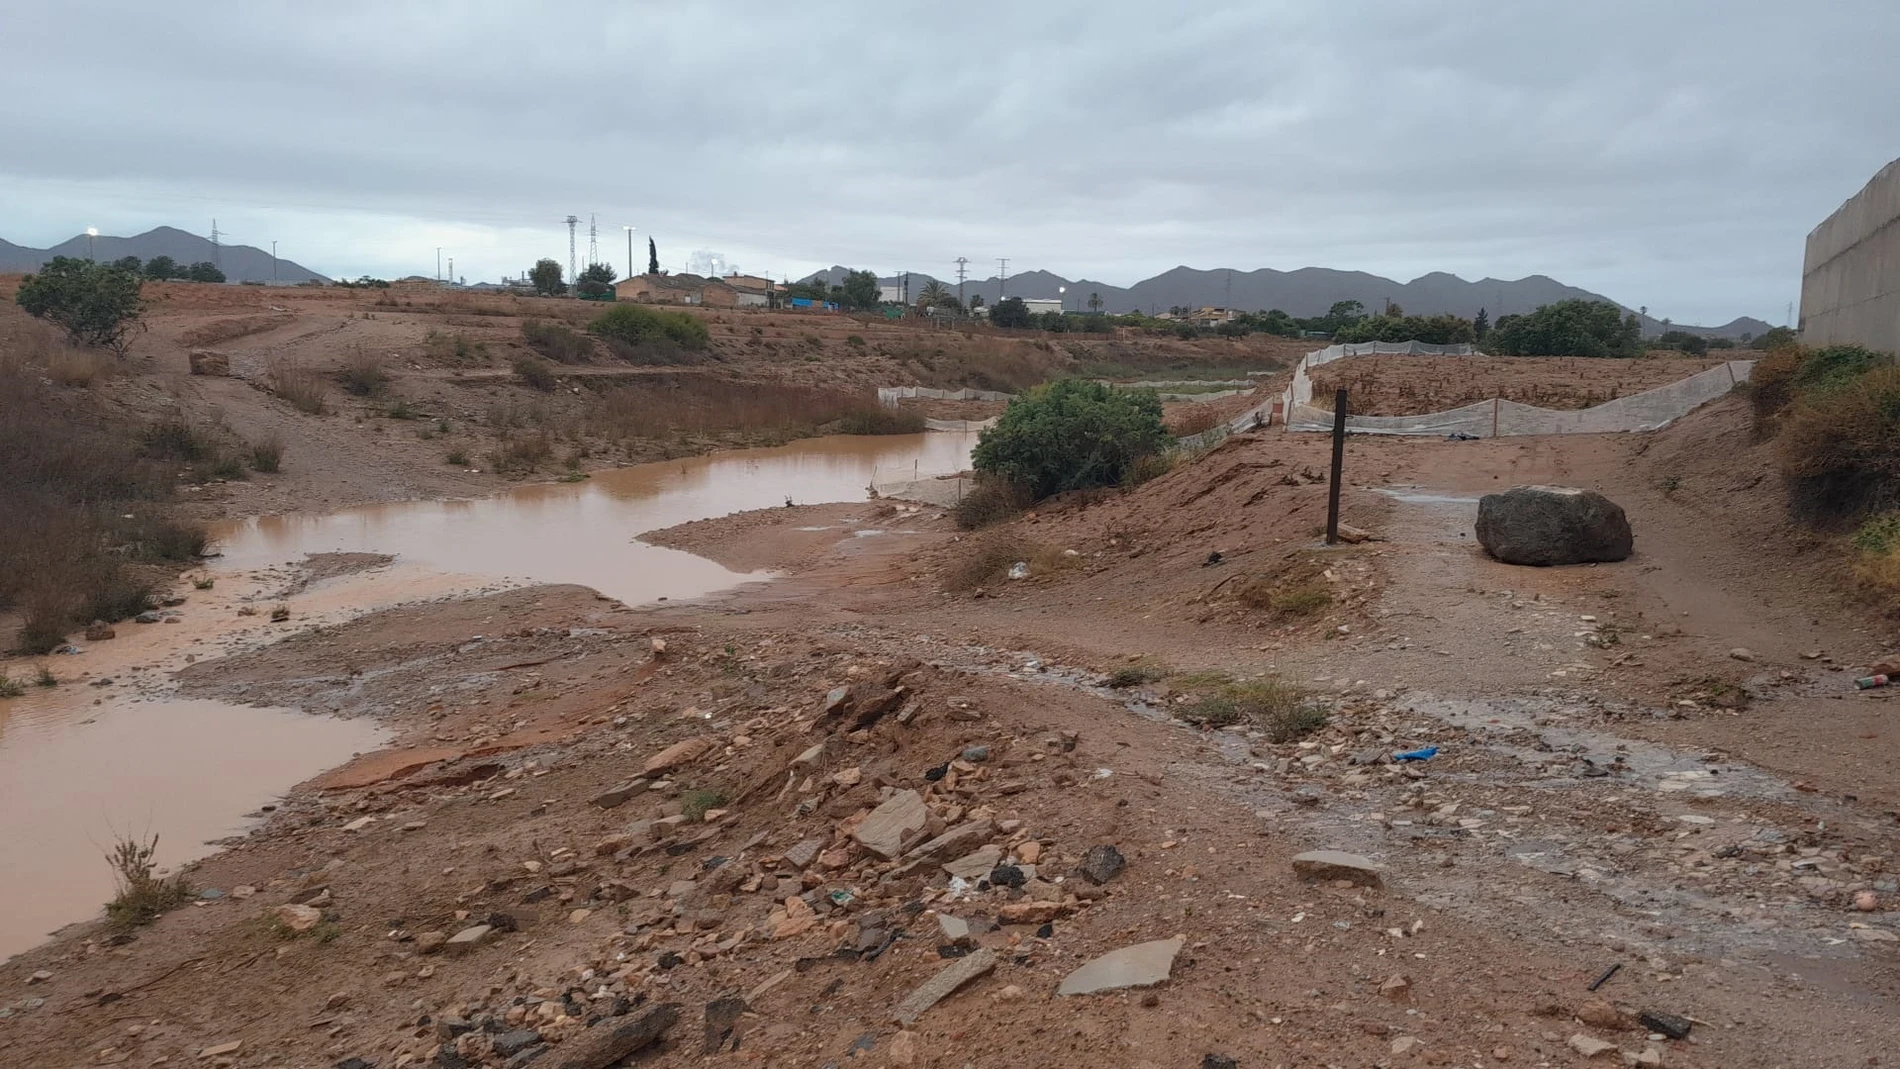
column 300, row 386
column 985, row 561
column 143, row 895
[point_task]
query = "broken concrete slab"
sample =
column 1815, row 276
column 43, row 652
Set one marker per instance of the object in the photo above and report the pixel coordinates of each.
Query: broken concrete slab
column 468, row 939
column 1338, row 865
column 1141, row 965
column 890, row 825
column 943, row 985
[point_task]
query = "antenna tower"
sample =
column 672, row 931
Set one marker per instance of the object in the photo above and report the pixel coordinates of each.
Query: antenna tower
column 962, row 271
column 572, row 267
column 216, row 256
column 1002, row 283
column 593, row 241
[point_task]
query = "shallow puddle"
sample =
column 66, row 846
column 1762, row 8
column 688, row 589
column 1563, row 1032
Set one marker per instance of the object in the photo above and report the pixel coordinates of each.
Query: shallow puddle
column 586, row 532
column 75, row 774
column 185, row 770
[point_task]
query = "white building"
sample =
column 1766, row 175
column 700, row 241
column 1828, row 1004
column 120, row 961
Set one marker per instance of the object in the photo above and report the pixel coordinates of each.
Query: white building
column 891, row 294
column 1039, row 305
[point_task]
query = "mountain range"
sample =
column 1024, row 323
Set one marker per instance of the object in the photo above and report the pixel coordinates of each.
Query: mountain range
column 1307, row 292
column 241, row 263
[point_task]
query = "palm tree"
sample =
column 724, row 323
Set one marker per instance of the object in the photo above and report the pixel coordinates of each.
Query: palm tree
column 933, row 294
column 1095, row 302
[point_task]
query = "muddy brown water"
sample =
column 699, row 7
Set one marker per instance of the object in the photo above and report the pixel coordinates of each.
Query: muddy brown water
column 80, row 766
column 585, row 532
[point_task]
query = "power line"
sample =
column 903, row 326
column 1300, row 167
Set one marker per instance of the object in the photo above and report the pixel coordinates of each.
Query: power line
column 593, row 241
column 1002, row 282
column 962, row 270
column 217, row 257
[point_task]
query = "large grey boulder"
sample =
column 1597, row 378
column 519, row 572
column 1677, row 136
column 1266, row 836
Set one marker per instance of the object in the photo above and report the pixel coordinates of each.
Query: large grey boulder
column 1542, row 525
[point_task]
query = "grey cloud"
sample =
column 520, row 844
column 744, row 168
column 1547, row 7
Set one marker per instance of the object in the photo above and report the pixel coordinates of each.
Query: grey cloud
column 1672, row 155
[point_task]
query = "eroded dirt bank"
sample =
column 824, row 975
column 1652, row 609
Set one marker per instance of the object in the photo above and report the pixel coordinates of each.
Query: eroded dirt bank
column 589, row 813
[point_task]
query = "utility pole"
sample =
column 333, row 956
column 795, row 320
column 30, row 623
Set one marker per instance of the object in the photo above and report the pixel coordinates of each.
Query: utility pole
column 572, row 267
column 438, row 263
column 217, row 257
column 451, row 270
column 273, row 261
column 963, row 263
column 629, row 231
column 593, row 241
column 1002, row 281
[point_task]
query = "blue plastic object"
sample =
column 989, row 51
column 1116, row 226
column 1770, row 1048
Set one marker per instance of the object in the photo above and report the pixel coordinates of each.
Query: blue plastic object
column 1425, row 754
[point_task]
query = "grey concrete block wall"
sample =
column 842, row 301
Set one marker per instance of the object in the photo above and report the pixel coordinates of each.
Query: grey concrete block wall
column 1850, row 277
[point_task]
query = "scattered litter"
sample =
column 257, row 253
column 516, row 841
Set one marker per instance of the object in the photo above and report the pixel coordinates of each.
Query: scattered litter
column 1870, row 682
column 1019, row 570
column 1425, row 754
column 1605, row 978
column 1667, row 1024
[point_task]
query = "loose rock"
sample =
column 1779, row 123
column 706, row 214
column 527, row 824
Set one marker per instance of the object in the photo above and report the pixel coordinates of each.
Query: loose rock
column 886, row 829
column 1337, row 865
column 1102, row 864
column 614, row 1039
column 1545, row 525
column 1590, row 1046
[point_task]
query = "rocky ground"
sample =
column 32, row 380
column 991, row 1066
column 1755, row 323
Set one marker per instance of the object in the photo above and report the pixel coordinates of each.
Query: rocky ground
column 870, row 815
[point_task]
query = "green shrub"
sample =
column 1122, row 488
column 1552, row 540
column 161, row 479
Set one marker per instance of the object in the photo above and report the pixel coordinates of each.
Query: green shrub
column 879, row 420
column 1568, row 328
column 536, row 374
column 637, row 325
column 1070, row 435
column 457, row 457
column 96, row 304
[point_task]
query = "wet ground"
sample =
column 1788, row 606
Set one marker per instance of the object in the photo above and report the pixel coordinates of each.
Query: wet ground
column 81, row 764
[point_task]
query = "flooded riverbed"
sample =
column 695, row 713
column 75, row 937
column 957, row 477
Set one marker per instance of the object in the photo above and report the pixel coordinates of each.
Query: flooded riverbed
column 586, row 532
column 79, row 765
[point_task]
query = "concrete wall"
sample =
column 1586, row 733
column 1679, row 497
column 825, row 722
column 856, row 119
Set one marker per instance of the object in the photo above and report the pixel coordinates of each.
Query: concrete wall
column 1850, row 278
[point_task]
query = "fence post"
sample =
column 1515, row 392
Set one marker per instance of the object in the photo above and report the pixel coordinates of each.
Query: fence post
column 1495, row 402
column 1339, row 462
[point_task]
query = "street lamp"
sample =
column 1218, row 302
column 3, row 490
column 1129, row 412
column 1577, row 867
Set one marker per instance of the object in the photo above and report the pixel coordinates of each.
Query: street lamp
column 1060, row 299
column 91, row 232
column 629, row 231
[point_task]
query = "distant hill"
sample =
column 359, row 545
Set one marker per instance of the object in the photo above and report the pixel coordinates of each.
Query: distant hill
column 1309, row 291
column 241, row 263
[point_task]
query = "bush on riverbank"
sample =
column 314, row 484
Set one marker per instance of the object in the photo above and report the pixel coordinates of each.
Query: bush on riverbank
column 84, row 533
column 1072, row 434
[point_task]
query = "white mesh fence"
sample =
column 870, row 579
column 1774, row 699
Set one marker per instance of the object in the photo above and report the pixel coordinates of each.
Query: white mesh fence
column 888, row 396
column 1498, row 418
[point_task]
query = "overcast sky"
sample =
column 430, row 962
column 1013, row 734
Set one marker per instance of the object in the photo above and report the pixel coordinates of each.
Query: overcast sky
column 1669, row 153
